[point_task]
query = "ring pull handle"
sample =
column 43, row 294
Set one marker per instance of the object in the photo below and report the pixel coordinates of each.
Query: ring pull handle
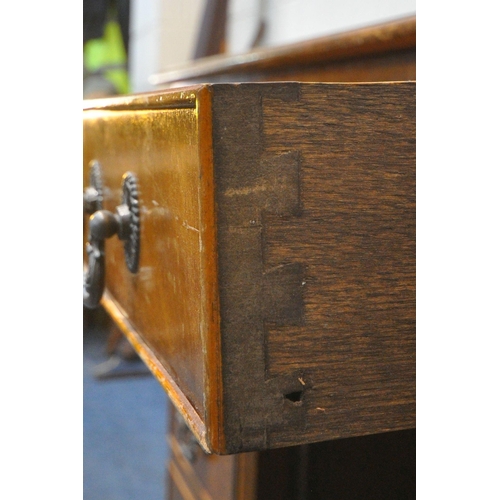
column 93, row 277
column 103, row 224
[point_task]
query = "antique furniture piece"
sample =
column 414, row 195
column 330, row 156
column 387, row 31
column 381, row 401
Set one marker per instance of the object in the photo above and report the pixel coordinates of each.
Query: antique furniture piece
column 373, row 466
column 256, row 244
column 382, row 52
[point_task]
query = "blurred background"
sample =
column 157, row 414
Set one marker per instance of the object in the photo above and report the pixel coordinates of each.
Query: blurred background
column 124, row 418
column 147, row 37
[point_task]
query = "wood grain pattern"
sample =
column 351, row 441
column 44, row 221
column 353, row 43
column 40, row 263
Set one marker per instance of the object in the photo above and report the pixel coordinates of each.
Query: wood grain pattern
column 382, row 52
column 327, row 349
column 376, row 466
column 206, row 476
column 211, row 338
column 202, row 476
column 275, row 299
column 167, row 309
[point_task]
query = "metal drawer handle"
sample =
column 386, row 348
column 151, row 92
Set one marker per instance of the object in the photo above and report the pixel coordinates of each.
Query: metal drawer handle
column 125, row 223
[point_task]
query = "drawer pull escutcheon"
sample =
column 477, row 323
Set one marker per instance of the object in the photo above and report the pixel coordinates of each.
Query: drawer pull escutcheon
column 125, row 223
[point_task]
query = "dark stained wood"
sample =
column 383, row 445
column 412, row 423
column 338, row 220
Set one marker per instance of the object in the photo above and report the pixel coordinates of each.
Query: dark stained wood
column 316, row 273
column 275, row 299
column 195, row 473
column 398, row 65
column 376, row 466
column 384, row 52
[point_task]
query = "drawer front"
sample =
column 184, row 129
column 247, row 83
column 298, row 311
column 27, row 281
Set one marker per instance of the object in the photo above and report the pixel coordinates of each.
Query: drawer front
column 165, row 304
column 194, row 472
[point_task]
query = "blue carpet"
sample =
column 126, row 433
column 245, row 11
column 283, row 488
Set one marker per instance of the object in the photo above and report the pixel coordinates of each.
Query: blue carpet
column 124, row 430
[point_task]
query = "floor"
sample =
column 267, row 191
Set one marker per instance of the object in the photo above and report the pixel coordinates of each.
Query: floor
column 124, row 424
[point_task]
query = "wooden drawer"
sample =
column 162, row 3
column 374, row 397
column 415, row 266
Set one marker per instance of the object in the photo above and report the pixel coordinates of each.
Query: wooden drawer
column 274, row 297
column 374, row 466
column 193, row 474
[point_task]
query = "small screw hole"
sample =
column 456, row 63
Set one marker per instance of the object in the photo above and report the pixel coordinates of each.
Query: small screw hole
column 294, row 397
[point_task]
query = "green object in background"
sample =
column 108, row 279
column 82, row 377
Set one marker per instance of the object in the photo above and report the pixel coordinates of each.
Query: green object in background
column 108, row 57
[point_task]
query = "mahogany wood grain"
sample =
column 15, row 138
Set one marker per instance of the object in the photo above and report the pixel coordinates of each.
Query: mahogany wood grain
column 168, row 309
column 208, row 476
column 316, row 245
column 384, row 52
column 376, row 466
column 275, row 299
column 397, row 65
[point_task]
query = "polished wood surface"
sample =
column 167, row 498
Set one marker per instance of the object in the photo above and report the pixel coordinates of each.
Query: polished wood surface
column 385, row 52
column 275, row 299
column 168, row 308
column 199, row 475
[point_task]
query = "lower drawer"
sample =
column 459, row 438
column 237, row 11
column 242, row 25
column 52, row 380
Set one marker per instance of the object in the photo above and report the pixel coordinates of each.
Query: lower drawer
column 192, row 473
column 376, row 466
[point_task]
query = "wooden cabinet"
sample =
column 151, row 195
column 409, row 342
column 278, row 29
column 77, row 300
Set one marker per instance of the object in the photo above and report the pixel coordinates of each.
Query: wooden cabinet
column 375, row 466
column 382, row 52
column 274, row 296
column 192, row 473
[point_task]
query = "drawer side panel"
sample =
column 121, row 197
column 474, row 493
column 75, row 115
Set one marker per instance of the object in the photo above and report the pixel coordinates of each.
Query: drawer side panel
column 316, row 231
